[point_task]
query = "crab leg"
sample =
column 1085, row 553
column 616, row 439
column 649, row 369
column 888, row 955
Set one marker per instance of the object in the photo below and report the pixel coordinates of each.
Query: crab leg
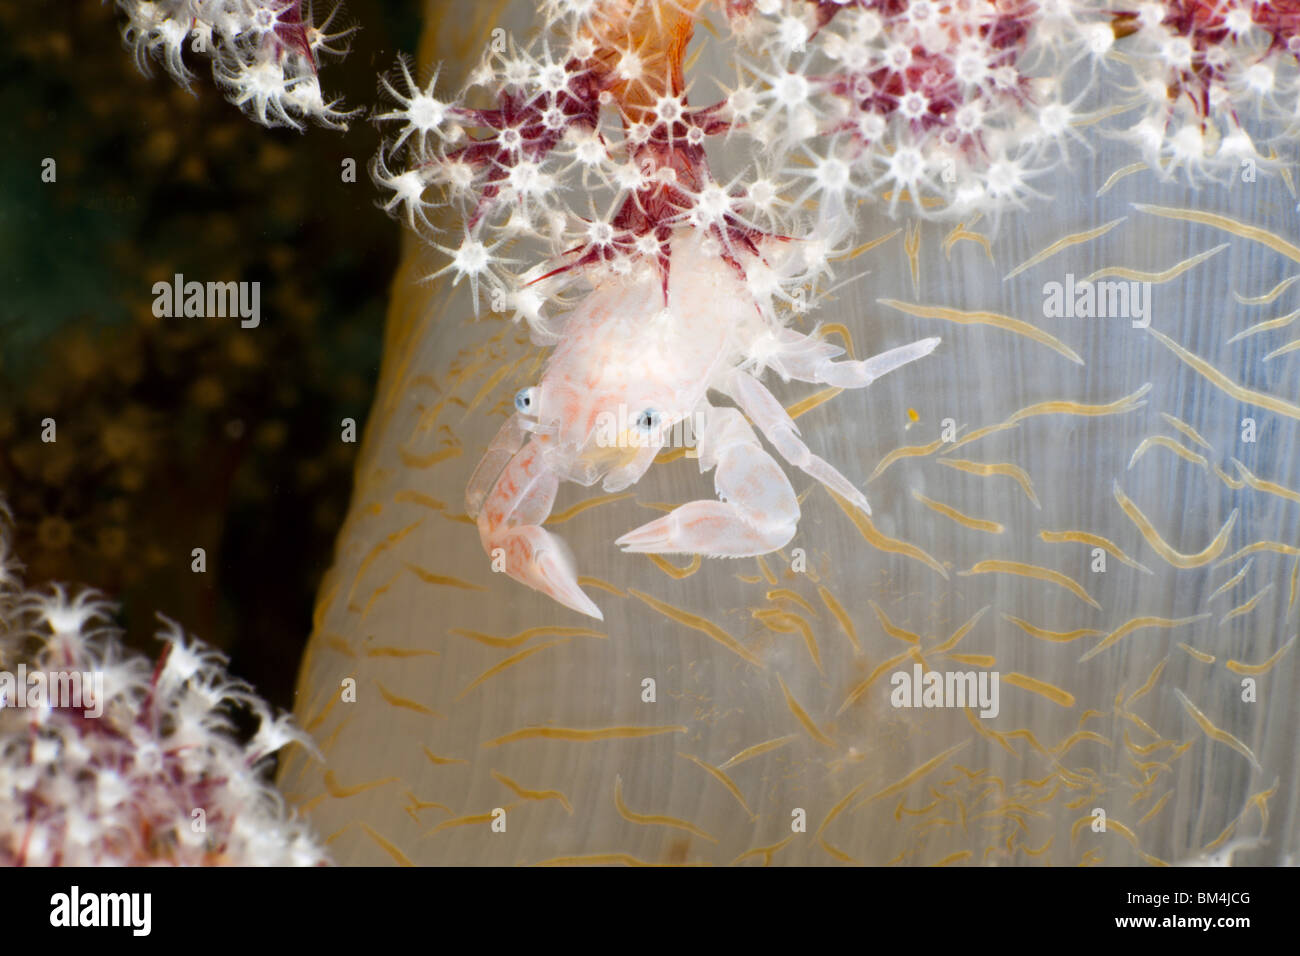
column 758, row 511
column 504, row 446
column 510, row 521
column 807, row 359
column 779, row 428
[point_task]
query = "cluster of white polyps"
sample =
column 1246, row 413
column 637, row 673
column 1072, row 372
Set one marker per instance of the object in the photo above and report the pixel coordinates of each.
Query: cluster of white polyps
column 107, row 759
column 1208, row 75
column 590, row 151
column 507, row 170
column 265, row 53
column 951, row 106
column 589, row 144
column 961, row 104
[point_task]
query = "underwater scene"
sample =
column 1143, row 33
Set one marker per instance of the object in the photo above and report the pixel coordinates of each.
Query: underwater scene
column 650, row 432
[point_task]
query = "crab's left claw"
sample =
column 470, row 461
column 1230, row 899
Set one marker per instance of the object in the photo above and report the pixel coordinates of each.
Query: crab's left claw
column 509, row 523
column 541, row 560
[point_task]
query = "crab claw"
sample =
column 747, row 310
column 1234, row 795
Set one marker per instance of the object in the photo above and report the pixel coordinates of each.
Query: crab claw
column 542, row 561
column 759, row 510
column 713, row 528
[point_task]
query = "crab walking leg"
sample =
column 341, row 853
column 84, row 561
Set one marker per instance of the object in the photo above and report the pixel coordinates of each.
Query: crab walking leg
column 510, row 521
column 808, row 360
column 758, row 511
column 503, row 447
column 779, row 428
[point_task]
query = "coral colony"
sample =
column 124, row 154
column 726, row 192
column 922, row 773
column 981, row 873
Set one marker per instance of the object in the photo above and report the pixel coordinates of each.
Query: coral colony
column 582, row 162
column 142, row 766
column 952, row 107
column 579, row 164
column 265, row 53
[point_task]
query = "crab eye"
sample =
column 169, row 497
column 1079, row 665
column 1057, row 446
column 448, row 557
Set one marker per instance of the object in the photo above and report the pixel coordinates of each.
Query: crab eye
column 526, row 401
column 648, row 420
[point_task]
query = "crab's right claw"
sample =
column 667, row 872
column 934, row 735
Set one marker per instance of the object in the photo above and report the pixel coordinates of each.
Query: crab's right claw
column 542, row 561
column 758, row 512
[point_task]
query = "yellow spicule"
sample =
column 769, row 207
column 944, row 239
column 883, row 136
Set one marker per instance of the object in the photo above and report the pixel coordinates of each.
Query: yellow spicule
column 1268, row 325
column 908, row 451
column 805, row 405
column 997, row 566
column 1093, row 540
column 1119, row 174
column 1232, row 582
column 1216, row 733
column 960, row 232
column 1164, row 441
column 757, row 750
column 1245, row 608
column 1176, row 558
column 996, row 469
column 1136, row 624
column 698, row 623
column 883, row 542
column 1259, row 547
column 654, row 819
column 1155, row 278
column 526, row 794
column 1254, row 233
column 1270, row 487
column 1268, row 297
column 1054, row 694
column 1187, row 430
column 1055, row 407
column 510, row 662
column 720, row 775
column 1295, row 586
column 784, row 622
column 1290, row 347
column 1221, row 381
column 975, row 524
column 1239, row 668
column 995, row 319
column 1063, row 243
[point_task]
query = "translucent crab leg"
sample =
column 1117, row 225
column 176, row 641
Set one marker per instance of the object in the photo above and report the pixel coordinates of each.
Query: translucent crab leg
column 779, row 428
column 802, row 361
column 509, row 439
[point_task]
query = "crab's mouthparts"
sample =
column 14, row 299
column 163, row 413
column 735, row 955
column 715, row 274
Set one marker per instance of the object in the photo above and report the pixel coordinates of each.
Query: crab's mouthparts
column 537, row 428
column 591, row 464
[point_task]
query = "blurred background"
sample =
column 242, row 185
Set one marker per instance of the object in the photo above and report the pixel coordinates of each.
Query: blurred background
column 177, row 434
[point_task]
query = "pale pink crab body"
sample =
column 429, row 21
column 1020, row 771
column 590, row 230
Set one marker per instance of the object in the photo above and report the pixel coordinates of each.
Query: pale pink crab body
column 631, row 364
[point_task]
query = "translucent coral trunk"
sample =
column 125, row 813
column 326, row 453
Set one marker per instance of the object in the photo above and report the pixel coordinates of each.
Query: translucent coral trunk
column 721, row 702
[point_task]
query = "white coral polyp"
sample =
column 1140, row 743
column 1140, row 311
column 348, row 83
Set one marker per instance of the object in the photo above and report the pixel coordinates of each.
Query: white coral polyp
column 125, row 787
column 264, row 53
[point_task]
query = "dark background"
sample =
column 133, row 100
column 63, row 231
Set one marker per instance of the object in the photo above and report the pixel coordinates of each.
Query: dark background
column 175, row 434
